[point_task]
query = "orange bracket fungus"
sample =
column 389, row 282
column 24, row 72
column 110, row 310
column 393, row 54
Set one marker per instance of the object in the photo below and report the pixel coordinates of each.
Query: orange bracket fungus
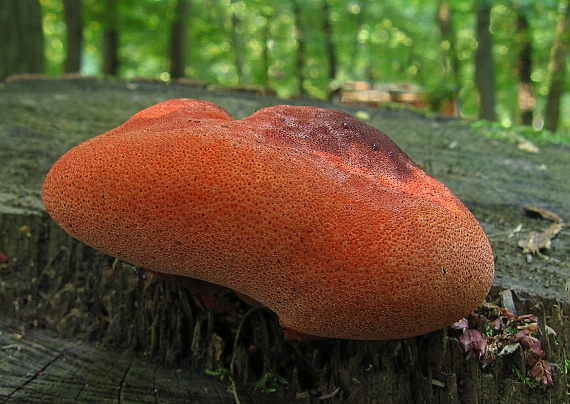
column 308, row 211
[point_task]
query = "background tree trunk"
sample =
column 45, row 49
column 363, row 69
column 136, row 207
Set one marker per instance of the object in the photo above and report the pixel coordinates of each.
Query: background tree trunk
column 299, row 34
column 484, row 63
column 110, row 39
column 21, row 38
column 267, row 13
column 557, row 71
column 449, row 44
column 179, row 40
column 526, row 98
column 355, row 46
column 74, row 35
column 239, row 47
column 327, row 29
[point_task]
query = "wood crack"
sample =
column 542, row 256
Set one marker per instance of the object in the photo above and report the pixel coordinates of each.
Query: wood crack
column 122, row 383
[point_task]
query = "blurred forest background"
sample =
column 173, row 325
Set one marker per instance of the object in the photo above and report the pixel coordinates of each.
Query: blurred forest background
column 499, row 60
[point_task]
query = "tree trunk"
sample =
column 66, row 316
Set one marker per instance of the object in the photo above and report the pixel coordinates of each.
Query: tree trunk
column 56, row 282
column 299, row 35
column 239, row 48
column 179, row 41
column 21, row 38
column 327, row 29
column 484, row 69
column 526, row 98
column 450, row 59
column 557, row 67
column 267, row 16
column 110, row 39
column 354, row 49
column 74, row 35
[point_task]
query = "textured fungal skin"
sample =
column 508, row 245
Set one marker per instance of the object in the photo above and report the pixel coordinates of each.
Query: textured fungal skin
column 314, row 214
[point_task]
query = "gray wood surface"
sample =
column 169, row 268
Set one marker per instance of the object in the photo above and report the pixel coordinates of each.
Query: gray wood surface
column 40, row 367
column 75, row 328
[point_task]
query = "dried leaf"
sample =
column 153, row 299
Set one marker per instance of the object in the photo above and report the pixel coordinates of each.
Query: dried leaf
column 480, row 346
column 472, row 340
column 507, row 313
column 532, row 358
column 497, row 323
column 509, row 349
column 438, row 383
column 535, row 372
column 532, row 327
column 539, row 241
column 536, row 348
column 546, row 377
column 530, row 317
column 460, row 325
column 465, row 342
column 550, row 331
column 218, row 346
column 527, row 147
column 330, row 395
column 545, row 214
column 516, row 230
column 521, row 334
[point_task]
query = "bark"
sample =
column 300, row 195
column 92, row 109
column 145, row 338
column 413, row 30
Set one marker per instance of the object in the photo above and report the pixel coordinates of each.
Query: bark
column 179, row 40
column 526, row 98
column 59, row 283
column 450, row 59
column 557, row 67
column 21, row 38
column 51, row 281
column 110, row 39
column 484, row 63
column 299, row 35
column 36, row 368
column 354, row 68
column 74, row 35
column 267, row 16
column 239, row 47
column 327, row 30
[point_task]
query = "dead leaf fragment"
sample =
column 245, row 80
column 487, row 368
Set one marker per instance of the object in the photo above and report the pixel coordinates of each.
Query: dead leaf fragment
column 330, row 395
column 509, row 349
column 545, row 214
column 528, row 147
column 539, row 241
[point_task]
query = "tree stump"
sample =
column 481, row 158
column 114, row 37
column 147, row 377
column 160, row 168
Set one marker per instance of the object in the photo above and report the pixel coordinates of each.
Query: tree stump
column 108, row 314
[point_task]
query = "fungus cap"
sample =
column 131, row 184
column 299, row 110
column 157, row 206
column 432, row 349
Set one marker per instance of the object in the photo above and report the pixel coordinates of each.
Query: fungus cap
column 314, row 214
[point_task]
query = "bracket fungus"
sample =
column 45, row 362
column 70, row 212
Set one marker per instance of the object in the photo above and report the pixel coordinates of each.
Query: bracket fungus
column 311, row 212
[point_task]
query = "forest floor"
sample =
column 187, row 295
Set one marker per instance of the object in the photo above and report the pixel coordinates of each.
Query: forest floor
column 42, row 119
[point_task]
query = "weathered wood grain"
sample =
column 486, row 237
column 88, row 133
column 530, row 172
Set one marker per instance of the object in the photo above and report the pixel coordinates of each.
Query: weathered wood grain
column 40, row 367
column 85, row 322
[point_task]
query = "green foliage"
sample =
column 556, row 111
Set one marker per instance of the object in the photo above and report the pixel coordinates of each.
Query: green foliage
column 253, row 42
column 518, row 134
column 525, row 379
column 54, row 36
column 220, row 372
column 268, row 383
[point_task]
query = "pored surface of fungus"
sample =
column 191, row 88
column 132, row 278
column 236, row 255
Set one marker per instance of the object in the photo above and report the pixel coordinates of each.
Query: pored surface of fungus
column 316, row 215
